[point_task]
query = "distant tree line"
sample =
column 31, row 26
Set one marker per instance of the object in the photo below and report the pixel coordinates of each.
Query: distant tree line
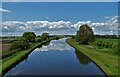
column 28, row 37
column 108, row 36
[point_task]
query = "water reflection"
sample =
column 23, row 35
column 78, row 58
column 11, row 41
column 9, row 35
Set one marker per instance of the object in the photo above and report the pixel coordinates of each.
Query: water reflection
column 60, row 59
column 82, row 58
column 55, row 45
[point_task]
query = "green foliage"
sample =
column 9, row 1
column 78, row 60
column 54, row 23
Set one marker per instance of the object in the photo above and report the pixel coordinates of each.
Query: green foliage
column 30, row 36
column 23, row 39
column 73, row 37
column 110, row 44
column 39, row 40
column 19, row 45
column 108, row 62
column 85, row 35
column 56, row 37
column 44, row 36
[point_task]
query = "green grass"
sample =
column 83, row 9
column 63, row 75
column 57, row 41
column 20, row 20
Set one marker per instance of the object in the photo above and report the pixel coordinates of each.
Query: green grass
column 107, row 62
column 7, row 63
column 112, row 45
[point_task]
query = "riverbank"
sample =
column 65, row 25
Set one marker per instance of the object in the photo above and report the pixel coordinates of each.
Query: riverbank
column 11, row 61
column 108, row 63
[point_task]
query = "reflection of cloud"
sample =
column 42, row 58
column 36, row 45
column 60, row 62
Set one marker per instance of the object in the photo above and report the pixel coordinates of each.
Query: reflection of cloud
column 4, row 10
column 59, row 45
column 60, row 27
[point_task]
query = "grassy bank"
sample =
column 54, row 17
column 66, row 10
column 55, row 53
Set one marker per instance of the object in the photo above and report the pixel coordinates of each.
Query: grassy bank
column 107, row 62
column 11, row 61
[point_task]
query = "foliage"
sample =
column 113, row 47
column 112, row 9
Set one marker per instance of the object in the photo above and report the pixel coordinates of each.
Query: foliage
column 39, row 40
column 23, row 39
column 45, row 36
column 110, row 44
column 108, row 36
column 19, row 45
column 85, row 35
column 56, row 37
column 108, row 62
column 30, row 36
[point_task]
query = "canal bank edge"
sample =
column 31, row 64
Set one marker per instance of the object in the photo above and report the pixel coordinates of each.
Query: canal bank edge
column 99, row 64
column 11, row 61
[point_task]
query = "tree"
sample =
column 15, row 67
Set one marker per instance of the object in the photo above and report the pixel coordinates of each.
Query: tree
column 85, row 35
column 30, row 36
column 19, row 45
column 45, row 36
column 39, row 40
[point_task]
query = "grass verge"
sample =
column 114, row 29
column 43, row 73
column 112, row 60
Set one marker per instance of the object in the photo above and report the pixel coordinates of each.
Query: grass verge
column 107, row 62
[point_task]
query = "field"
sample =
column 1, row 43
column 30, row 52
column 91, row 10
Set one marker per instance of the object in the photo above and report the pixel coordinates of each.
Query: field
column 12, row 60
column 109, row 46
column 5, row 46
column 106, row 61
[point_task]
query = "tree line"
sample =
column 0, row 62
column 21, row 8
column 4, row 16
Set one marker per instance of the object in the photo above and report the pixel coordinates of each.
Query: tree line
column 28, row 37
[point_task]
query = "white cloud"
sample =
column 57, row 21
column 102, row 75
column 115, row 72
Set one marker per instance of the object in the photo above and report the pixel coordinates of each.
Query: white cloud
column 4, row 10
column 55, row 45
column 60, row 27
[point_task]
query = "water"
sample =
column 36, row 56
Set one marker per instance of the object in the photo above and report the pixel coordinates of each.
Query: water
column 57, row 58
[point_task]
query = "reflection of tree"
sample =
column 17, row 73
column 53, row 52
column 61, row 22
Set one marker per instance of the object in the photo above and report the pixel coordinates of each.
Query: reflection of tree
column 82, row 58
column 26, row 58
column 46, row 43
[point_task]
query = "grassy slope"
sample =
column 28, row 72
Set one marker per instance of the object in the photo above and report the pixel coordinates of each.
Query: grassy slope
column 107, row 62
column 12, row 60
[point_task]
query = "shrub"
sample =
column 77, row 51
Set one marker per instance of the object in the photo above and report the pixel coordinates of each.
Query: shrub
column 56, row 37
column 30, row 36
column 44, row 36
column 19, row 45
column 39, row 40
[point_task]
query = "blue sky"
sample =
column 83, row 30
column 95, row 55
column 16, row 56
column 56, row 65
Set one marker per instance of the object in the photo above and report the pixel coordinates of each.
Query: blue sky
column 60, row 0
column 58, row 18
column 59, row 11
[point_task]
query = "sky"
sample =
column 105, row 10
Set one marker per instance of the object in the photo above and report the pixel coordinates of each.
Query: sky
column 58, row 17
column 60, row 0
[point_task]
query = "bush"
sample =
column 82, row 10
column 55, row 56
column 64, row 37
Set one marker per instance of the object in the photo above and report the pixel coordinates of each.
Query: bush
column 44, row 36
column 56, row 37
column 39, row 40
column 19, row 45
column 30, row 36
column 73, row 37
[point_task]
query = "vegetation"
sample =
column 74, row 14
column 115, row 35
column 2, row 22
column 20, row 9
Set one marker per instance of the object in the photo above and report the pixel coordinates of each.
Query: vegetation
column 44, row 36
column 107, row 45
column 30, row 36
column 85, row 35
column 39, row 40
column 22, row 47
column 103, row 51
column 107, row 62
column 108, row 36
column 12, row 60
column 19, row 45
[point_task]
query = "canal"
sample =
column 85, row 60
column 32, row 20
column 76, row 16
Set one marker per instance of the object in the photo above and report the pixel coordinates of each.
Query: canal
column 56, row 58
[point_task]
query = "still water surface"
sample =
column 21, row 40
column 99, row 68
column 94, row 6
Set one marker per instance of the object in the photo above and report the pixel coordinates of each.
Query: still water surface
column 57, row 58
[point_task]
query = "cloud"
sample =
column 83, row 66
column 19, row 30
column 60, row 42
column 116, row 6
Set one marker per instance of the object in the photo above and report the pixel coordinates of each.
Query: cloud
column 59, row 27
column 55, row 45
column 4, row 10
